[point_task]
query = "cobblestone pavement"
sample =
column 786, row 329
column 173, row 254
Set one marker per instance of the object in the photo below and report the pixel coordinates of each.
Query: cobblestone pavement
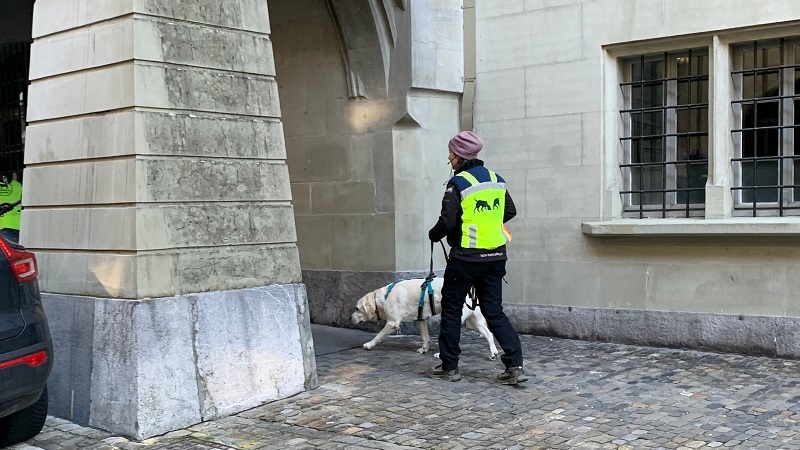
column 581, row 395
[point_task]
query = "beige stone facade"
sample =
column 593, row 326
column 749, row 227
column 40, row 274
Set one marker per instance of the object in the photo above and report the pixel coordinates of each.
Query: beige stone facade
column 551, row 101
column 549, row 109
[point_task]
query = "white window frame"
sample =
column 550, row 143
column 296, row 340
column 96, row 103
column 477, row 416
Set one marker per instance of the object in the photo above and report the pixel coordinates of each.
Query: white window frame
column 786, row 145
column 670, row 206
column 719, row 219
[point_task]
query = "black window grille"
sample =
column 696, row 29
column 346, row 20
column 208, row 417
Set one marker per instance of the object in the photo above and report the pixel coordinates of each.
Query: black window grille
column 14, row 63
column 665, row 138
column 766, row 162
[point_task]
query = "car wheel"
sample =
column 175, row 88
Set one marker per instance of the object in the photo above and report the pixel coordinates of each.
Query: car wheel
column 24, row 424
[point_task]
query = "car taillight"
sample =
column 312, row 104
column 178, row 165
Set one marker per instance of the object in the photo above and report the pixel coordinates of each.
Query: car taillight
column 32, row 360
column 23, row 263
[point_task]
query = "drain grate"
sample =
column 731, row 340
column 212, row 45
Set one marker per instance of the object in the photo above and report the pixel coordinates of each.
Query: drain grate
column 194, row 444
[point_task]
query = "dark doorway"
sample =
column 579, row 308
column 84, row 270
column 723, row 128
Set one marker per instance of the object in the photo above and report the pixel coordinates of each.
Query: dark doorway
column 14, row 63
column 16, row 23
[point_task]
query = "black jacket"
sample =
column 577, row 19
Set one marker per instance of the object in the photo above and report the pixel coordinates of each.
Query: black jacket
column 449, row 223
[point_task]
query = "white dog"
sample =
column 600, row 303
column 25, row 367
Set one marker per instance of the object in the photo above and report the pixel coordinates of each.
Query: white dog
column 401, row 305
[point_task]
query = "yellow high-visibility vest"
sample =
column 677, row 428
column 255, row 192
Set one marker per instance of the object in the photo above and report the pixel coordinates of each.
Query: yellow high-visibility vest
column 483, row 206
column 11, row 193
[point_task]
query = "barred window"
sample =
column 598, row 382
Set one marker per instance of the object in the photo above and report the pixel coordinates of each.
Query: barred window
column 665, row 134
column 766, row 161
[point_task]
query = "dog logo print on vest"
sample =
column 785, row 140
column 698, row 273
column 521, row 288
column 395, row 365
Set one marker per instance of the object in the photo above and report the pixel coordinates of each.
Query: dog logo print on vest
column 496, row 203
column 6, row 189
column 481, row 205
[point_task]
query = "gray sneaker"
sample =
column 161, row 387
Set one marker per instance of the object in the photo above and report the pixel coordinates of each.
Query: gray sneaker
column 436, row 372
column 512, row 376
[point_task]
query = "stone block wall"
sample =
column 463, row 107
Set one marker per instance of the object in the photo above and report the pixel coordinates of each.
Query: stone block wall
column 163, row 145
column 544, row 107
column 539, row 107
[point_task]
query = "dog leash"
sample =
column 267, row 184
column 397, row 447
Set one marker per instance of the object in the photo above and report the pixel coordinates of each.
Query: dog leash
column 472, row 294
column 427, row 285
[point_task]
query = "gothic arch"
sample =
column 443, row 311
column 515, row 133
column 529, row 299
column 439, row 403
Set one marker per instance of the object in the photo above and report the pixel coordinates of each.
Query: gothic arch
column 368, row 32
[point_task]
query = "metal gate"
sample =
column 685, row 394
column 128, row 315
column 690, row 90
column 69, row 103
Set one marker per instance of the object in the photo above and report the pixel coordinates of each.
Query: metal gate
column 14, row 64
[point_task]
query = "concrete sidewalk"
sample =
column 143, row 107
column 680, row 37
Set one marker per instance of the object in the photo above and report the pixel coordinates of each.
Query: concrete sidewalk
column 582, row 395
column 331, row 340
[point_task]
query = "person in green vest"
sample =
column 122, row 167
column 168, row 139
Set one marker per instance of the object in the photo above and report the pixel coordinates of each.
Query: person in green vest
column 475, row 206
column 10, row 193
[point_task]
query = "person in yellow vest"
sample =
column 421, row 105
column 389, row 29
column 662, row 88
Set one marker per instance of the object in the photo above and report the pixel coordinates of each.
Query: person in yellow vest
column 475, row 206
column 10, row 193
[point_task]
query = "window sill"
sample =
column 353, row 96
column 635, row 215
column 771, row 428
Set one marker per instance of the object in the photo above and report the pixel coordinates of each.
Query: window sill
column 732, row 227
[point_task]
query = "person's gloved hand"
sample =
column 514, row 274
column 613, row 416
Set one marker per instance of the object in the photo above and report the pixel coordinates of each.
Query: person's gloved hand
column 431, row 237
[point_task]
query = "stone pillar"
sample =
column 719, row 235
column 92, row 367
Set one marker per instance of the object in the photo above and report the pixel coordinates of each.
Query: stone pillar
column 158, row 202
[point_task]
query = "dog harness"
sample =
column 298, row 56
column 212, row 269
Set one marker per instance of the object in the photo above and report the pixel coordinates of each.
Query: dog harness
column 427, row 285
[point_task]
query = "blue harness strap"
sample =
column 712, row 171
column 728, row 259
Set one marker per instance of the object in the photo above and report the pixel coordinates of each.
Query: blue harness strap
column 388, row 289
column 427, row 285
column 422, row 292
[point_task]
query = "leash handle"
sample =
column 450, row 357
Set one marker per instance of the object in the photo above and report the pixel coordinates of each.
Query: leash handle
column 430, row 273
column 429, row 278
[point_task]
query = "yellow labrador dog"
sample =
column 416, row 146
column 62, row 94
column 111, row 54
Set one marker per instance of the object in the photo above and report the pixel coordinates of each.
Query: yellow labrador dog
column 401, row 305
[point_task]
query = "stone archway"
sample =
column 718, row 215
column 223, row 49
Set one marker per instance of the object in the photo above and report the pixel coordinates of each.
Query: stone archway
column 362, row 98
column 336, row 113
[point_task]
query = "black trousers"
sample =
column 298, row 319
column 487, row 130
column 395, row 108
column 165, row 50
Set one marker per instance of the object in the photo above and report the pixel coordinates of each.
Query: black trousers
column 487, row 277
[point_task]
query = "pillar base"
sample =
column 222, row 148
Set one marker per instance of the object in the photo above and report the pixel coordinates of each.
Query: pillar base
column 141, row 368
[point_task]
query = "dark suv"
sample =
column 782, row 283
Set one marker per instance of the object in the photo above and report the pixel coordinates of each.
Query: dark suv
column 26, row 351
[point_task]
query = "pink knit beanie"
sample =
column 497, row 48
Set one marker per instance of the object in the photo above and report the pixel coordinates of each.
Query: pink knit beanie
column 466, row 144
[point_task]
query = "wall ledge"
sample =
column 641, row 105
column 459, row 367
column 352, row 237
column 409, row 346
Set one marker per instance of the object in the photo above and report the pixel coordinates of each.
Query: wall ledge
column 731, row 227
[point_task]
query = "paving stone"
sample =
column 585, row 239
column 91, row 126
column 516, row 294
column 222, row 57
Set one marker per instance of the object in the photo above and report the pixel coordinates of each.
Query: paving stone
column 583, row 395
